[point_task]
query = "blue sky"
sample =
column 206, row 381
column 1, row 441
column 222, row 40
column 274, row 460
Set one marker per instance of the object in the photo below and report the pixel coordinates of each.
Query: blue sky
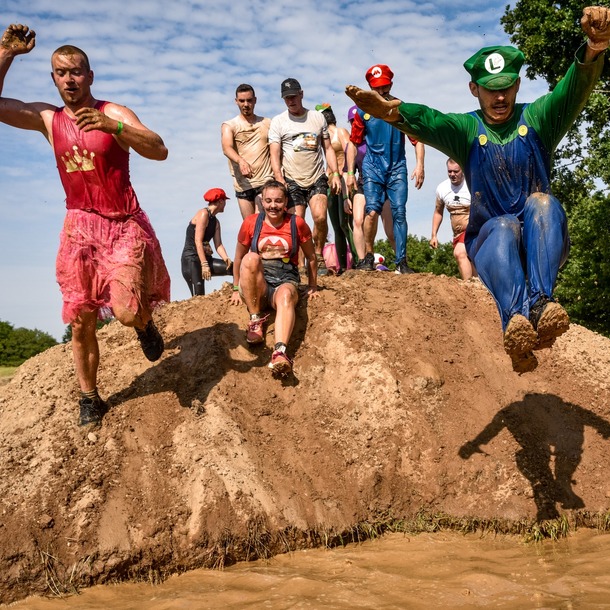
column 176, row 64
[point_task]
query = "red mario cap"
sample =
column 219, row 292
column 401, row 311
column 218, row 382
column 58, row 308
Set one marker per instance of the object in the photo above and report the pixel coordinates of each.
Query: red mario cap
column 214, row 195
column 379, row 75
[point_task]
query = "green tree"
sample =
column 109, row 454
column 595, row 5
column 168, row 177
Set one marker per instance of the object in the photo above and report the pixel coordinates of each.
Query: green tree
column 19, row 344
column 549, row 33
column 422, row 258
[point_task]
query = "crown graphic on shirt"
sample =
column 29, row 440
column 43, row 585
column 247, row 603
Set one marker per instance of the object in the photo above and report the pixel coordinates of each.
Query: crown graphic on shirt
column 77, row 162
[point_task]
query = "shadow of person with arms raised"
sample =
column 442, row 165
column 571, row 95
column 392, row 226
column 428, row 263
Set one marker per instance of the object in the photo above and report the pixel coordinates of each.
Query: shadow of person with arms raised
column 545, row 426
column 202, row 360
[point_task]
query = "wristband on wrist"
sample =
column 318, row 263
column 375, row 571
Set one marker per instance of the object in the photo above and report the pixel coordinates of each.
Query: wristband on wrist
column 336, row 174
column 350, row 173
column 235, row 288
column 119, row 128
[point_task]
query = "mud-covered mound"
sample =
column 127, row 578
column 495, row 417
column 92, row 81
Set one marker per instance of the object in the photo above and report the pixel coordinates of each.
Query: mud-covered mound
column 403, row 399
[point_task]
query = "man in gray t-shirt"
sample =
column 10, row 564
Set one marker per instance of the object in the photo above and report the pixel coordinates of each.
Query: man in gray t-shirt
column 299, row 143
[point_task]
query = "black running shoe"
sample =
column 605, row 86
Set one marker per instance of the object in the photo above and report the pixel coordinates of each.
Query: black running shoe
column 151, row 341
column 367, row 263
column 403, row 268
column 91, row 411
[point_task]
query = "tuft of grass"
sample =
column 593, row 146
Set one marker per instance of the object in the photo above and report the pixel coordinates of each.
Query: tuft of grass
column 59, row 580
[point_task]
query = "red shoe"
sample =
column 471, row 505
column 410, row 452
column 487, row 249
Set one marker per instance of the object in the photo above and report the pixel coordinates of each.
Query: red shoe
column 280, row 363
column 255, row 332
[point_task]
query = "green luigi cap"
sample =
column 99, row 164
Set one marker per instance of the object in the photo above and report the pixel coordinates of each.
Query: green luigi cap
column 495, row 67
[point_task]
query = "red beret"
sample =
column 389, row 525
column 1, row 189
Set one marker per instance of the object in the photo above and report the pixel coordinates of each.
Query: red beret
column 214, row 195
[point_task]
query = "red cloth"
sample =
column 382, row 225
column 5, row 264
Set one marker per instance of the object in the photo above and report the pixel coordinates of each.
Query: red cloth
column 93, row 168
column 274, row 242
column 102, row 262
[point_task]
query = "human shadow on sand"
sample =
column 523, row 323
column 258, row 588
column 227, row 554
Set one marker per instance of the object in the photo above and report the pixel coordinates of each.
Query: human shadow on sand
column 203, row 358
column 546, row 427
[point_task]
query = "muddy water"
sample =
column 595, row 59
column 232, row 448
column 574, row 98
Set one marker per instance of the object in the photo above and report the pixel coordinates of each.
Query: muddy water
column 444, row 570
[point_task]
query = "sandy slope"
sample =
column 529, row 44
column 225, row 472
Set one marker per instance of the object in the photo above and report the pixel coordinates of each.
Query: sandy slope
column 402, row 400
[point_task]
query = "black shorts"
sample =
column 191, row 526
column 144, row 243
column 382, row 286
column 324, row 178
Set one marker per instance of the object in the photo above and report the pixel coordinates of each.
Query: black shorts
column 276, row 273
column 300, row 195
column 250, row 194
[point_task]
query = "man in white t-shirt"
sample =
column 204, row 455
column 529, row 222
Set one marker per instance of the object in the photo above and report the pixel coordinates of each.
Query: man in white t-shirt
column 454, row 195
column 299, row 144
column 245, row 144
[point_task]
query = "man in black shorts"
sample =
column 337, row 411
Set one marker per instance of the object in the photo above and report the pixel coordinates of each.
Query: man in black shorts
column 299, row 144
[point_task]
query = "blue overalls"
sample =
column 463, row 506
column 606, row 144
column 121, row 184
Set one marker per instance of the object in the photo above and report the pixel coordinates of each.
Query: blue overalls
column 517, row 234
column 384, row 176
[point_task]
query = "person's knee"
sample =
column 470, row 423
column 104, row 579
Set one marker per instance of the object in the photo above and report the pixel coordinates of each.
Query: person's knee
column 83, row 326
column 286, row 296
column 250, row 263
column 126, row 316
column 541, row 205
column 508, row 225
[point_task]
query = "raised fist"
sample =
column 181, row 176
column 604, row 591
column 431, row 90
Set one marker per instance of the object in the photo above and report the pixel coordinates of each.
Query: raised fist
column 595, row 23
column 18, row 39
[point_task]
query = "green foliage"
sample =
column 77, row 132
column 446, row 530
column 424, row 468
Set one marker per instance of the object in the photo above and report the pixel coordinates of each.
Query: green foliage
column 19, row 344
column 584, row 281
column 549, row 34
column 421, row 257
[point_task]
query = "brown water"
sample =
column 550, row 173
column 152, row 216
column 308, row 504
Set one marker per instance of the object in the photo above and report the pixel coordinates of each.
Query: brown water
column 444, row 570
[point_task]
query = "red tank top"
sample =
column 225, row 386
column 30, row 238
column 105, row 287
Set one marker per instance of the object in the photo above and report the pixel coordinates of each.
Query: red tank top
column 93, row 168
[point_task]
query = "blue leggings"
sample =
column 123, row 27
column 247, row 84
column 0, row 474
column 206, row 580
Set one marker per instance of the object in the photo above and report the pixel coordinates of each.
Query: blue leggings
column 519, row 263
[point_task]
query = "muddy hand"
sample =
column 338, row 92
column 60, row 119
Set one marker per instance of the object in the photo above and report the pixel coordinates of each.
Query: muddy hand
column 371, row 102
column 89, row 119
column 18, row 39
column 595, row 23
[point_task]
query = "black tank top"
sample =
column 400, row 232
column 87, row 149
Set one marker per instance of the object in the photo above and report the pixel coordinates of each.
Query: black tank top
column 189, row 243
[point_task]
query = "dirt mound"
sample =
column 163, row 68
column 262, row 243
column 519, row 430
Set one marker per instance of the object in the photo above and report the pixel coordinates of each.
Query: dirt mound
column 403, row 399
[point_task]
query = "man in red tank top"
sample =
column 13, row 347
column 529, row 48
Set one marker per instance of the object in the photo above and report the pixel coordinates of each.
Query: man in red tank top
column 109, row 258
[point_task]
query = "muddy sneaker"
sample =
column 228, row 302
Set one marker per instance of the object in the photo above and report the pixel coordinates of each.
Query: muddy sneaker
column 322, row 269
column 402, row 268
column 367, row 263
column 520, row 339
column 151, row 341
column 550, row 320
column 280, row 364
column 91, row 411
column 255, row 331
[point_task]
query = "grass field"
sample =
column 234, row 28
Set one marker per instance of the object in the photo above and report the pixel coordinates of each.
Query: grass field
column 6, row 372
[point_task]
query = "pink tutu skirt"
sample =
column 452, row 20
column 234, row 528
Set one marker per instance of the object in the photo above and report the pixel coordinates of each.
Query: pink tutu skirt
column 97, row 254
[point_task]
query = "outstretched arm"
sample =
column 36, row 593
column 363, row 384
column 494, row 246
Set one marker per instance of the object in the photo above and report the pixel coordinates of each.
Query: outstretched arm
column 17, row 40
column 595, row 23
column 371, row 102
